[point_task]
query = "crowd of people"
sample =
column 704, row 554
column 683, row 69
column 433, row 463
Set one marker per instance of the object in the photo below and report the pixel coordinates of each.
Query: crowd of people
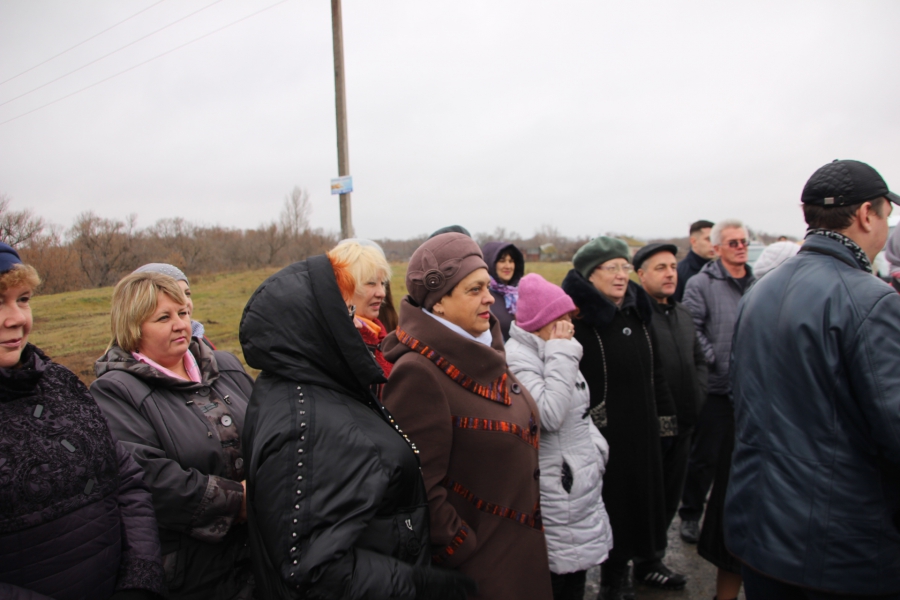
column 495, row 437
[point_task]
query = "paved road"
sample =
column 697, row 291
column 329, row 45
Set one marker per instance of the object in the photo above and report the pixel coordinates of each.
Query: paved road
column 681, row 558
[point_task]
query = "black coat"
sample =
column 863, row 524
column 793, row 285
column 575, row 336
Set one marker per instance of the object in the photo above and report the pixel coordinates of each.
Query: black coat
column 814, row 493
column 689, row 266
column 336, row 504
column 632, row 407
column 192, row 462
column 683, row 361
column 76, row 520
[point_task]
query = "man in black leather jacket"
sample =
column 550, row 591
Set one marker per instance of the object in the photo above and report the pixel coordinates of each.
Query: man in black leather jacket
column 813, row 502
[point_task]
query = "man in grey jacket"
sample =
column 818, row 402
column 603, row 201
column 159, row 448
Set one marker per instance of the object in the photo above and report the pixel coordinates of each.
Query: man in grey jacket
column 684, row 367
column 813, row 504
column 712, row 297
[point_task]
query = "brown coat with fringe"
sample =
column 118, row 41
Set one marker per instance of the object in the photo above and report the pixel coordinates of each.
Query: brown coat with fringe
column 477, row 430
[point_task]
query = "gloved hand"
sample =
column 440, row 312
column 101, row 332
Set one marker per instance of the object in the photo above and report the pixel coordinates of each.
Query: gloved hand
column 433, row 583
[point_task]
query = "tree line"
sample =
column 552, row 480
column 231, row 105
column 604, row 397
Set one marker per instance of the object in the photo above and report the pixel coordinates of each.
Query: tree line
column 97, row 252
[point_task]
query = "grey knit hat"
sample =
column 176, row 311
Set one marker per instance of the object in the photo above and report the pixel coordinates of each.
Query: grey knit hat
column 164, row 269
column 439, row 264
column 598, row 251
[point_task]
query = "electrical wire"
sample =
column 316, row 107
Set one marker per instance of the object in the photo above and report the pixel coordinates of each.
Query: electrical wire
column 145, row 62
column 43, row 85
column 81, row 42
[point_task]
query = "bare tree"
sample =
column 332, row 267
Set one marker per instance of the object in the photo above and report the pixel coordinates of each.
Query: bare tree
column 18, row 227
column 295, row 214
column 104, row 247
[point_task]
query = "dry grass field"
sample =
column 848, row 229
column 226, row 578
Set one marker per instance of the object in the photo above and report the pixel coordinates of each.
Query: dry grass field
column 73, row 328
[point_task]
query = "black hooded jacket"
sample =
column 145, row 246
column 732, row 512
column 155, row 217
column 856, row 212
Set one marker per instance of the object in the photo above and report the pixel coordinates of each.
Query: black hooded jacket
column 492, row 252
column 336, row 503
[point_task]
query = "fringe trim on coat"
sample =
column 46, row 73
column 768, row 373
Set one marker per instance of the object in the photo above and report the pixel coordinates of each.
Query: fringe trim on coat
column 497, row 390
column 533, row 520
column 529, row 434
column 450, row 549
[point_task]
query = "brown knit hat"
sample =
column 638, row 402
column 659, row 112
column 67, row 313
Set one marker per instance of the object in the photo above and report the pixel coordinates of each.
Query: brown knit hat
column 439, row 264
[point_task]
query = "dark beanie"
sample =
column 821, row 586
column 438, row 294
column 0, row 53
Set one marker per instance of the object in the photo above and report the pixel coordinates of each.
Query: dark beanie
column 439, row 264
column 8, row 257
column 598, row 251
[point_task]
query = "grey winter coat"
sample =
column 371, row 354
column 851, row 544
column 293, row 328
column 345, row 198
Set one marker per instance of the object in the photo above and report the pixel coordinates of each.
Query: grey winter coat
column 712, row 297
column 573, row 452
column 814, row 493
column 186, row 436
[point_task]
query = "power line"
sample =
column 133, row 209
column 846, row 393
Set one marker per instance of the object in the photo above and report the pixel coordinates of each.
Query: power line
column 144, row 63
column 81, row 42
column 43, row 85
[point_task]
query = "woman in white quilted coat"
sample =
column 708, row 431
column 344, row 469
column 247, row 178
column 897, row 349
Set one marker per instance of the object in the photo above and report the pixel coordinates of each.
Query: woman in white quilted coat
column 544, row 356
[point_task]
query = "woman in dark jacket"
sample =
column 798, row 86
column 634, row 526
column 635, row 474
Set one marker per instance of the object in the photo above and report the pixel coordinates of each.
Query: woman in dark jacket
column 76, row 520
column 178, row 407
column 630, row 402
column 476, row 426
column 506, row 266
column 336, row 503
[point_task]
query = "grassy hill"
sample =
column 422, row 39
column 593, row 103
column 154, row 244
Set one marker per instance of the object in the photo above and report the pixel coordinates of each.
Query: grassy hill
column 73, row 328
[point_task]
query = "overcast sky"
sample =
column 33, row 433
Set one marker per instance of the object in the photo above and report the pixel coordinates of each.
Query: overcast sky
column 592, row 117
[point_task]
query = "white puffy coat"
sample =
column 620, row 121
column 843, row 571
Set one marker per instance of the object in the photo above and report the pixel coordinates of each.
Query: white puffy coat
column 575, row 522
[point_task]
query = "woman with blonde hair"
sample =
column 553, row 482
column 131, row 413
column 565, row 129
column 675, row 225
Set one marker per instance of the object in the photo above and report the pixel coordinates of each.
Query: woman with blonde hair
column 76, row 520
column 178, row 407
column 365, row 290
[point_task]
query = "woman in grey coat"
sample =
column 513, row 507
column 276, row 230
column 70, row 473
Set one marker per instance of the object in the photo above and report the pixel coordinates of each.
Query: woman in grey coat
column 544, row 356
column 178, row 407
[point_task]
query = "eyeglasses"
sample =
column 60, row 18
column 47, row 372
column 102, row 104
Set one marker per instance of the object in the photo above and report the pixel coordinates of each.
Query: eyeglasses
column 613, row 269
column 738, row 243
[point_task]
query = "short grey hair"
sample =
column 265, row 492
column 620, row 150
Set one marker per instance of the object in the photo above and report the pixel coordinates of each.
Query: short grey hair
column 715, row 236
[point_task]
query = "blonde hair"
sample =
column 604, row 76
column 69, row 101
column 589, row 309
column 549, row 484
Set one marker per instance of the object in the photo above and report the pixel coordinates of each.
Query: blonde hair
column 20, row 274
column 363, row 260
column 134, row 299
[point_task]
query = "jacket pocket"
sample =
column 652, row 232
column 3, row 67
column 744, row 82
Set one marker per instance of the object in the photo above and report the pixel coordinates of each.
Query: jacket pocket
column 173, row 567
column 567, row 477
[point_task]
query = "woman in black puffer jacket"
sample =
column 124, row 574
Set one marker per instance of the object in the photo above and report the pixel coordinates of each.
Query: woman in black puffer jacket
column 76, row 520
column 336, row 503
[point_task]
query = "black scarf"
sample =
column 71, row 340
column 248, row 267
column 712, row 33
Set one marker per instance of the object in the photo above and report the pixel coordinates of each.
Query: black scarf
column 858, row 253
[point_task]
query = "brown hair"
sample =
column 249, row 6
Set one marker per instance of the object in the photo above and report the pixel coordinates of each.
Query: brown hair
column 134, row 299
column 838, row 218
column 19, row 275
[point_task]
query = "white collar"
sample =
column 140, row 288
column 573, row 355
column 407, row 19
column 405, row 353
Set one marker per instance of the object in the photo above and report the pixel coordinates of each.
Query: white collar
column 485, row 338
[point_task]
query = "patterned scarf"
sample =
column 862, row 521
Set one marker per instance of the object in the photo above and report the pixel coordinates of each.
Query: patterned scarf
column 858, row 253
column 510, row 294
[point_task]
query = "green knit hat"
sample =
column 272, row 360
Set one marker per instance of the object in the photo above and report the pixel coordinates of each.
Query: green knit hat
column 598, row 251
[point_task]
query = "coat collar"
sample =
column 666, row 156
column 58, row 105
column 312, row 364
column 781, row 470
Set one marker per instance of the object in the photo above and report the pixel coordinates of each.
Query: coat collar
column 116, row 359
column 596, row 309
column 482, row 363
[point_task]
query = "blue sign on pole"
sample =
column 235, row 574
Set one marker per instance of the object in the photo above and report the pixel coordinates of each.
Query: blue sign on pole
column 342, row 185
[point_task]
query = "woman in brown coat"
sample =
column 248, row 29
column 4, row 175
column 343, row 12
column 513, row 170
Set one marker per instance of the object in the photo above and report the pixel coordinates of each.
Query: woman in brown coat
column 476, row 426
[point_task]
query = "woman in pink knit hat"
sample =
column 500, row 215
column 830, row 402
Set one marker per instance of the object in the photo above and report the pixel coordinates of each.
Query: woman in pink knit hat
column 544, row 356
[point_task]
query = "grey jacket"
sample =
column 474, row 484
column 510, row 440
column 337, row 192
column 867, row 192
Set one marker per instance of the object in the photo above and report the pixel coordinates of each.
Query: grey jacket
column 712, row 297
column 176, row 430
column 573, row 452
column 814, row 493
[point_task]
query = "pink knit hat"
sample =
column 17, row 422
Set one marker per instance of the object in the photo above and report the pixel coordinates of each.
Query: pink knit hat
column 540, row 302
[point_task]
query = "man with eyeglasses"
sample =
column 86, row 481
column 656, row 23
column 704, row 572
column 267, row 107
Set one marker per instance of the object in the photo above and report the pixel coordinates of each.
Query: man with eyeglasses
column 813, row 506
column 712, row 298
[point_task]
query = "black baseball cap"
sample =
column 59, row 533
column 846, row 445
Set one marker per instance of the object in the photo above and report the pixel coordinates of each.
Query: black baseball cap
column 845, row 182
column 649, row 250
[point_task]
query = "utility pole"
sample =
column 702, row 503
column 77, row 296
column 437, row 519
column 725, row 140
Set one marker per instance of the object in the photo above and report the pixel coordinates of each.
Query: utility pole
column 340, row 101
